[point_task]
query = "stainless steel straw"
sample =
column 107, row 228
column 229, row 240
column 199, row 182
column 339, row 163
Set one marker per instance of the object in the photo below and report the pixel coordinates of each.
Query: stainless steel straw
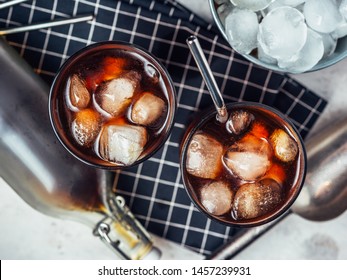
column 46, row 24
column 11, row 3
column 200, row 59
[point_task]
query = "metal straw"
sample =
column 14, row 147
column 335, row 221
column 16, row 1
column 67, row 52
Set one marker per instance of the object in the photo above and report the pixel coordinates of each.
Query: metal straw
column 11, row 3
column 200, row 59
column 46, row 24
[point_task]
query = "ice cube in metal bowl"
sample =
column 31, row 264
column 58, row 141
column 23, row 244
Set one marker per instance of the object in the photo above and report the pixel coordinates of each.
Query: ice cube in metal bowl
column 339, row 54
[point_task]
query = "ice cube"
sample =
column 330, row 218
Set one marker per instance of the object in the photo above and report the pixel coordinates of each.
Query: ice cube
column 340, row 31
column 285, row 147
column 283, row 3
column 329, row 43
column 224, row 10
column 216, row 197
column 343, row 9
column 288, row 63
column 249, row 158
column 308, row 56
column 264, row 57
column 254, row 5
column 114, row 96
column 86, row 126
column 241, row 29
column 79, row 95
column 292, row 3
column 282, row 33
column 204, row 156
column 256, row 199
column 122, row 143
column 148, row 109
column 323, row 15
column 239, row 121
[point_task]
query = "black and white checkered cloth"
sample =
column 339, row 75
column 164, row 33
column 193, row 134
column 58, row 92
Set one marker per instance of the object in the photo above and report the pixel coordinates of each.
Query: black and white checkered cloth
column 154, row 189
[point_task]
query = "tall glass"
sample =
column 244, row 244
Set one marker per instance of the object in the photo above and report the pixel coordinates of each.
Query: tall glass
column 112, row 105
column 247, row 171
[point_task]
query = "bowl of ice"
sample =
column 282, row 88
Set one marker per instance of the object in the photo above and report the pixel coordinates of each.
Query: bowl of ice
column 293, row 36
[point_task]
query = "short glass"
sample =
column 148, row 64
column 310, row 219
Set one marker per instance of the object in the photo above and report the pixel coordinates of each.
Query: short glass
column 112, row 105
column 245, row 172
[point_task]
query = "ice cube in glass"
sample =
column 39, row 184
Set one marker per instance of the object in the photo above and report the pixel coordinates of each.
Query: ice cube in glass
column 204, row 155
column 285, row 147
column 122, row 143
column 216, row 197
column 239, row 121
column 114, row 96
column 79, row 96
column 148, row 109
column 255, row 199
column 249, row 158
column 85, row 126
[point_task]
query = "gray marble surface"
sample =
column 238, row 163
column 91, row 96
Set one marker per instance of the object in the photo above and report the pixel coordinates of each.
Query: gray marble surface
column 28, row 234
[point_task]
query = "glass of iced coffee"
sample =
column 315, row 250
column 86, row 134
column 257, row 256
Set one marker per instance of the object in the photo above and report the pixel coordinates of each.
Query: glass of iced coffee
column 112, row 105
column 246, row 171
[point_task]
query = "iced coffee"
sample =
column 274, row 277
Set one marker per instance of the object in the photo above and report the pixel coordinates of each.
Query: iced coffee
column 246, row 171
column 112, row 105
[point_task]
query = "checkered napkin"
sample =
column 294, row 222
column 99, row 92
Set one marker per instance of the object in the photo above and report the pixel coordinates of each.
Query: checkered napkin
column 154, row 189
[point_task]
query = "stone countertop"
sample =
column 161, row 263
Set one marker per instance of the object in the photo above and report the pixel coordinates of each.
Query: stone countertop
column 28, row 234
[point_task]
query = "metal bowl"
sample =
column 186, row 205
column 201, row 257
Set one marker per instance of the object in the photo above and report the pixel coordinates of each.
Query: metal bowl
column 339, row 54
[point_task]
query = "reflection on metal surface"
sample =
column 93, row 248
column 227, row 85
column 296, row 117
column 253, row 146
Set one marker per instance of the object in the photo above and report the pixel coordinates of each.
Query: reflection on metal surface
column 325, row 190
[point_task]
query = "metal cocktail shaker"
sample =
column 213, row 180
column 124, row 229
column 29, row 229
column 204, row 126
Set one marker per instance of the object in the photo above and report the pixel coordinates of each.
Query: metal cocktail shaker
column 46, row 176
column 324, row 195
